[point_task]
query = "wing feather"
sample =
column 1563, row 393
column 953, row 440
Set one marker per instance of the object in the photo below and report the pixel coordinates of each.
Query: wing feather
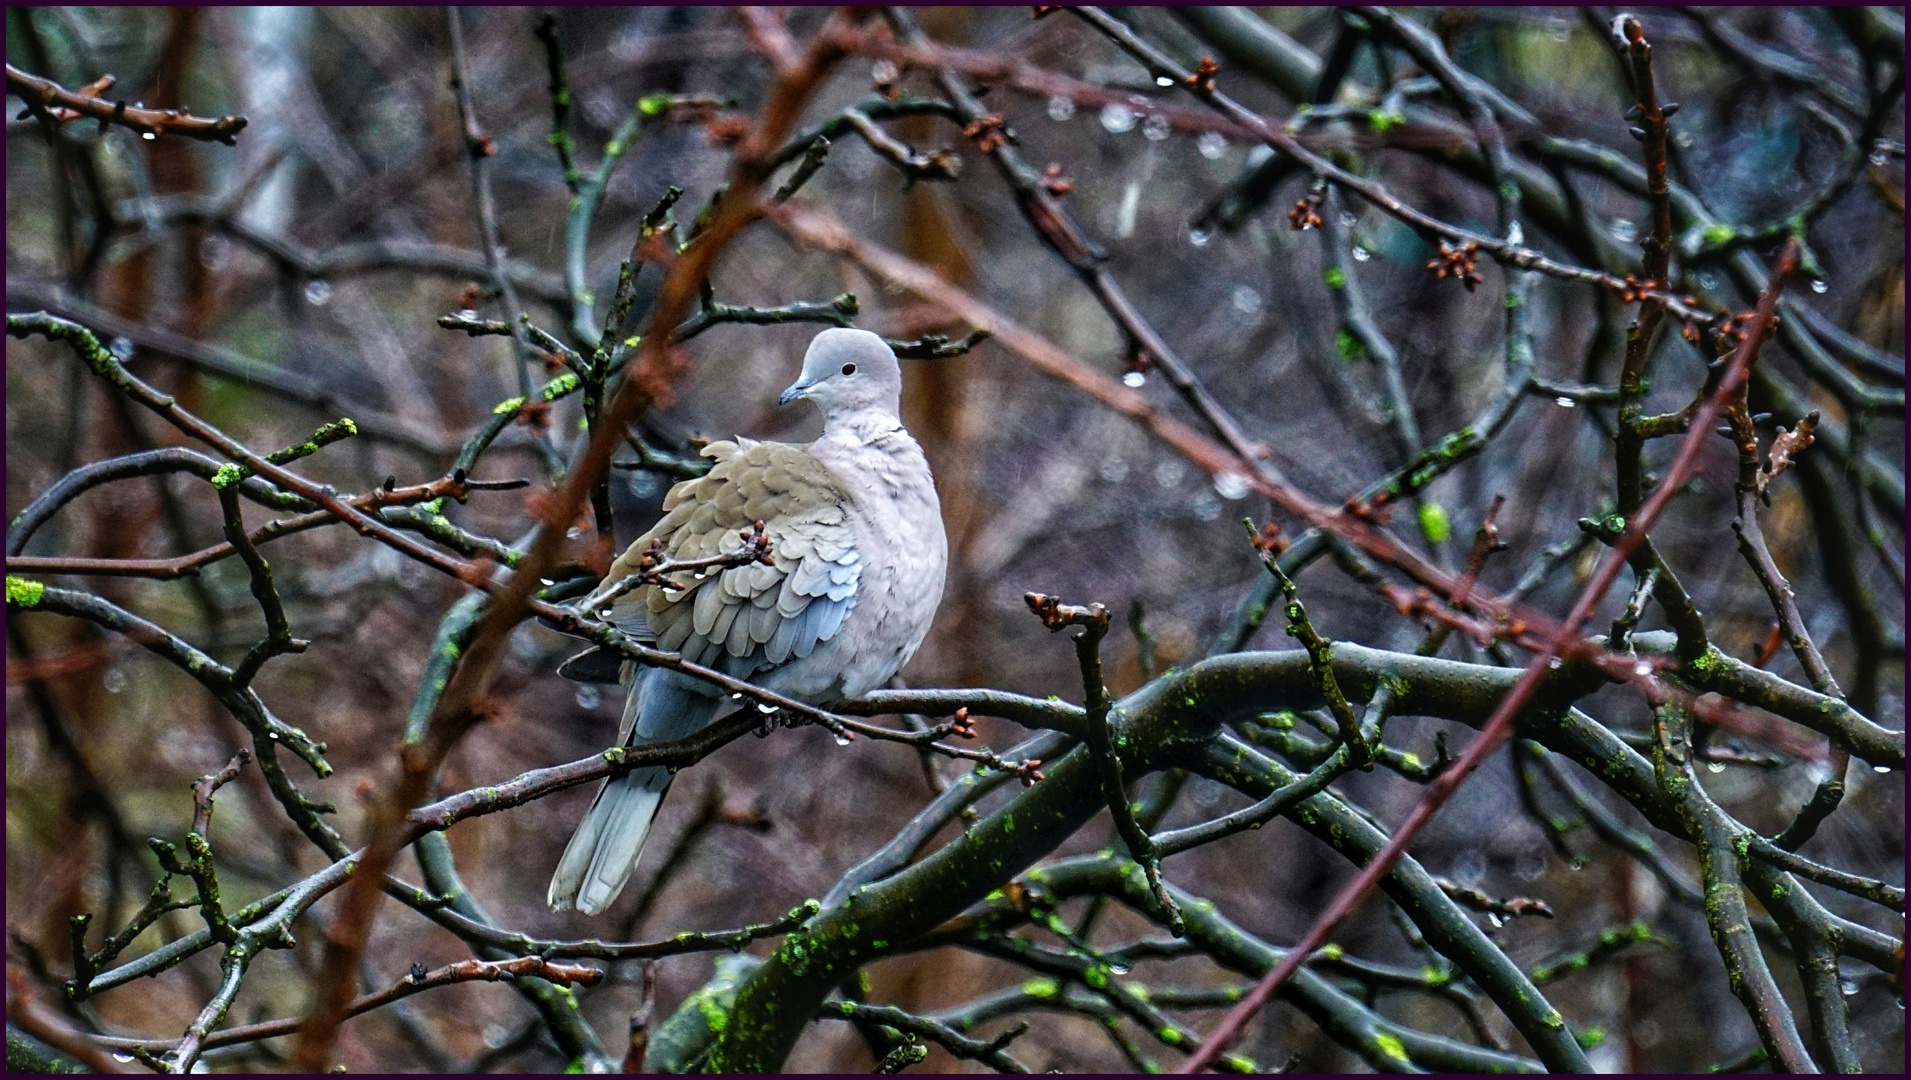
column 753, row 615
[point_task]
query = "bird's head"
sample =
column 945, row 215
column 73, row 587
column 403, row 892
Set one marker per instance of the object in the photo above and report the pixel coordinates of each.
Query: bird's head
column 850, row 374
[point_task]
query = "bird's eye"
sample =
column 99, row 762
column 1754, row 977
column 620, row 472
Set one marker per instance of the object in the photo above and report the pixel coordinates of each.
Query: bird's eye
column 849, row 369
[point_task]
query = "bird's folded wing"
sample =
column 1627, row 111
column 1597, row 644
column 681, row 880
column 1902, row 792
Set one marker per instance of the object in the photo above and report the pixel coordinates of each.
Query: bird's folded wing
column 749, row 617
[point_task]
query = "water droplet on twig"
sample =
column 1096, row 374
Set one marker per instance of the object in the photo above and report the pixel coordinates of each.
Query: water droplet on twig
column 1820, row 285
column 1361, row 254
column 318, row 292
column 1134, row 380
column 1231, row 485
column 1564, row 402
column 1211, row 144
column 1156, row 128
column 1117, row 118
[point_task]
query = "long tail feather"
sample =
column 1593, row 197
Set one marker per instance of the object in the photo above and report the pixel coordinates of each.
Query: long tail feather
column 607, row 844
column 605, row 849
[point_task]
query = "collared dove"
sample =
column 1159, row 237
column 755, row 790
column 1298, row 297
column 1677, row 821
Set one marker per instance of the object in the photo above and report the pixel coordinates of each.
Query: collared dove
column 859, row 554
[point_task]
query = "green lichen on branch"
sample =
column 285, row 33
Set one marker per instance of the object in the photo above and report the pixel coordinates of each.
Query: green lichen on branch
column 1435, row 462
column 232, row 474
column 24, row 592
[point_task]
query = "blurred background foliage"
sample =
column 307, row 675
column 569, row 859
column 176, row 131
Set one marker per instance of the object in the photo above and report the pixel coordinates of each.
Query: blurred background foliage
column 353, row 148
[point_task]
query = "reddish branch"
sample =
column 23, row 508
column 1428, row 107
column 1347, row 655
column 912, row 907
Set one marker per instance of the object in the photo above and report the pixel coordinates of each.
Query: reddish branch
column 652, row 376
column 1486, row 617
column 1499, row 726
column 1020, row 75
column 1656, row 249
column 418, row 981
column 56, row 105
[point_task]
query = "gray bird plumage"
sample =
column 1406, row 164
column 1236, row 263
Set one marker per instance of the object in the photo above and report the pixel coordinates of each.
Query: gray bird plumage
column 859, row 556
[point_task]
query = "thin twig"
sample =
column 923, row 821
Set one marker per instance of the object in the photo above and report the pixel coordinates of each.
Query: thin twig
column 57, row 105
column 1098, row 724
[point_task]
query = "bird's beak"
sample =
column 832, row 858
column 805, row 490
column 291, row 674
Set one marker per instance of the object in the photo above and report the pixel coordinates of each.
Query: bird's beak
column 797, row 389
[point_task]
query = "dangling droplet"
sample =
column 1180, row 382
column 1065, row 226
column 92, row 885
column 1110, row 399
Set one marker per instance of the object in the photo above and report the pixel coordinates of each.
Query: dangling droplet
column 1212, row 144
column 1881, row 768
column 1117, row 118
column 1624, row 231
column 318, row 292
column 1060, row 108
column 1849, row 986
column 122, row 1058
column 1642, row 668
column 1879, row 157
column 1199, row 237
column 1156, row 128
column 1231, row 485
column 1164, row 81
column 1564, row 402
column 1820, row 285
column 1715, row 767
column 842, row 739
column 1134, row 380
column 1361, row 254
column 765, row 708
column 1115, row 967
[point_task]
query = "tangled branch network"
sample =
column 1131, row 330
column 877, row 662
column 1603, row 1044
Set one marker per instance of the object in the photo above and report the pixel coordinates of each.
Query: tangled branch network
column 1704, row 750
